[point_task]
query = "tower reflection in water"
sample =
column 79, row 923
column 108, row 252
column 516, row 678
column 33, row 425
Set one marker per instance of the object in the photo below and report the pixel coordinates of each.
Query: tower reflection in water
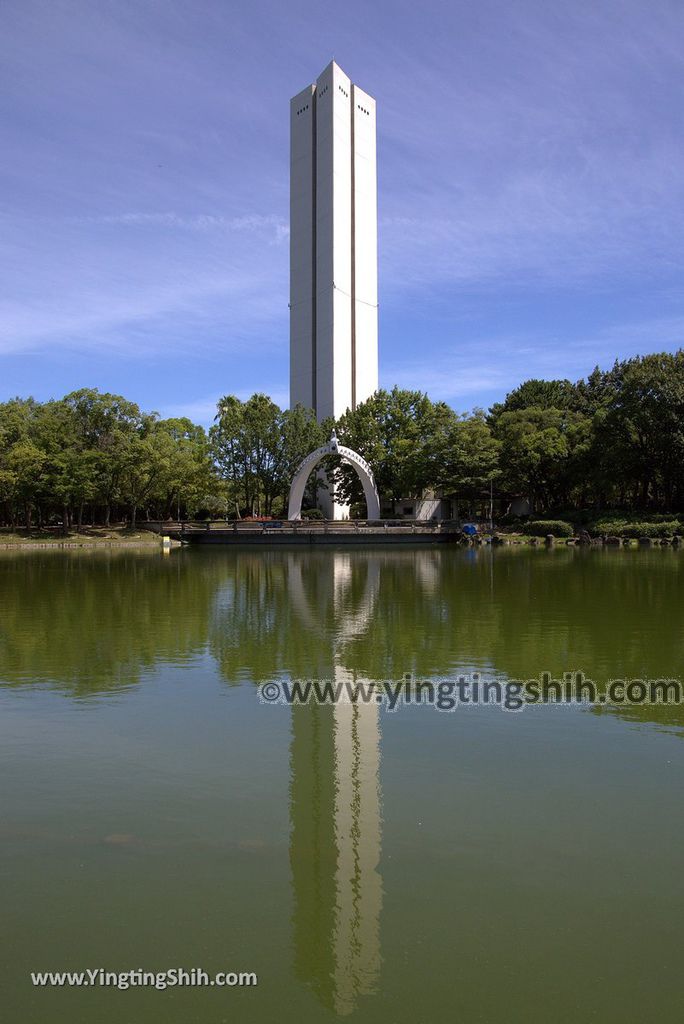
column 335, row 796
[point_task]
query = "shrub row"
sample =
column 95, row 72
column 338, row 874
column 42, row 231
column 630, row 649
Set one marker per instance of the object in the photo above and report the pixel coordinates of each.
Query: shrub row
column 625, row 528
column 543, row 527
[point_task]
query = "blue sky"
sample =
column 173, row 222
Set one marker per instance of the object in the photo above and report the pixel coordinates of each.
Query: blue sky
column 531, row 194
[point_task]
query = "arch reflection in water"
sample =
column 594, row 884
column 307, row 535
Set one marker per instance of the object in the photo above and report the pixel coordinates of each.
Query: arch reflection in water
column 335, row 809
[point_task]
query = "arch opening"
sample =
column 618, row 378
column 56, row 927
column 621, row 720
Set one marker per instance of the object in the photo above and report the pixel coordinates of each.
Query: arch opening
column 351, row 458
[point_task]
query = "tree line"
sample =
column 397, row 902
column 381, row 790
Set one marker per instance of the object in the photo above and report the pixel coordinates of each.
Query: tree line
column 613, row 440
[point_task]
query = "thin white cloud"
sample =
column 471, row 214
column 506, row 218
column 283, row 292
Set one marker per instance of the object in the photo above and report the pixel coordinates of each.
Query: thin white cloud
column 146, row 321
column 255, row 223
column 494, row 365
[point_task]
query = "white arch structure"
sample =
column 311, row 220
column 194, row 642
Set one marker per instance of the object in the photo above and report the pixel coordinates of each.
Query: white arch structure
column 363, row 470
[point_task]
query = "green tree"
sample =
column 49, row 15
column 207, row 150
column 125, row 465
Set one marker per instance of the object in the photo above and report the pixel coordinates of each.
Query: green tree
column 185, row 481
column 257, row 448
column 542, row 451
column 403, row 435
column 469, row 460
column 21, row 459
column 540, row 394
column 642, row 425
column 105, row 425
column 301, row 434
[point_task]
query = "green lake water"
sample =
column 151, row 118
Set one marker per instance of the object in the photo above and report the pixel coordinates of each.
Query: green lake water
column 390, row 867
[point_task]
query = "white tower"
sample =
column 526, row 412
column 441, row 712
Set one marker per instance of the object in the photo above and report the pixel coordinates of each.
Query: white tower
column 333, row 247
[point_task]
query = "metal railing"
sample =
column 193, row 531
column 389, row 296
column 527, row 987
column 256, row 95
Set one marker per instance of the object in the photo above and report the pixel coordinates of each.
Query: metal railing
column 285, row 526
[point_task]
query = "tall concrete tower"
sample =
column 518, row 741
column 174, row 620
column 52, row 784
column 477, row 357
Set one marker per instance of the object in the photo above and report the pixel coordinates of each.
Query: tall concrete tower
column 333, row 246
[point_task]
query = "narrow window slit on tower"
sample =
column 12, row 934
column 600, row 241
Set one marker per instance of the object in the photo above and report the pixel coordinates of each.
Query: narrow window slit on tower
column 353, row 261
column 314, row 172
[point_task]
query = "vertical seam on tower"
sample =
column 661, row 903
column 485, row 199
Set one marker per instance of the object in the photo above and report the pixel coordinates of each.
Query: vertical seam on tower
column 353, row 259
column 314, row 172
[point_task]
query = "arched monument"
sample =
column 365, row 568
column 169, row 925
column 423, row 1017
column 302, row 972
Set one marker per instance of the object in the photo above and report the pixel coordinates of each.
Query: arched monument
column 352, row 458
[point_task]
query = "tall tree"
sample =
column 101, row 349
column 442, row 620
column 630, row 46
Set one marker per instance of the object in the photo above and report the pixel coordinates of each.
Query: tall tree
column 400, row 433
